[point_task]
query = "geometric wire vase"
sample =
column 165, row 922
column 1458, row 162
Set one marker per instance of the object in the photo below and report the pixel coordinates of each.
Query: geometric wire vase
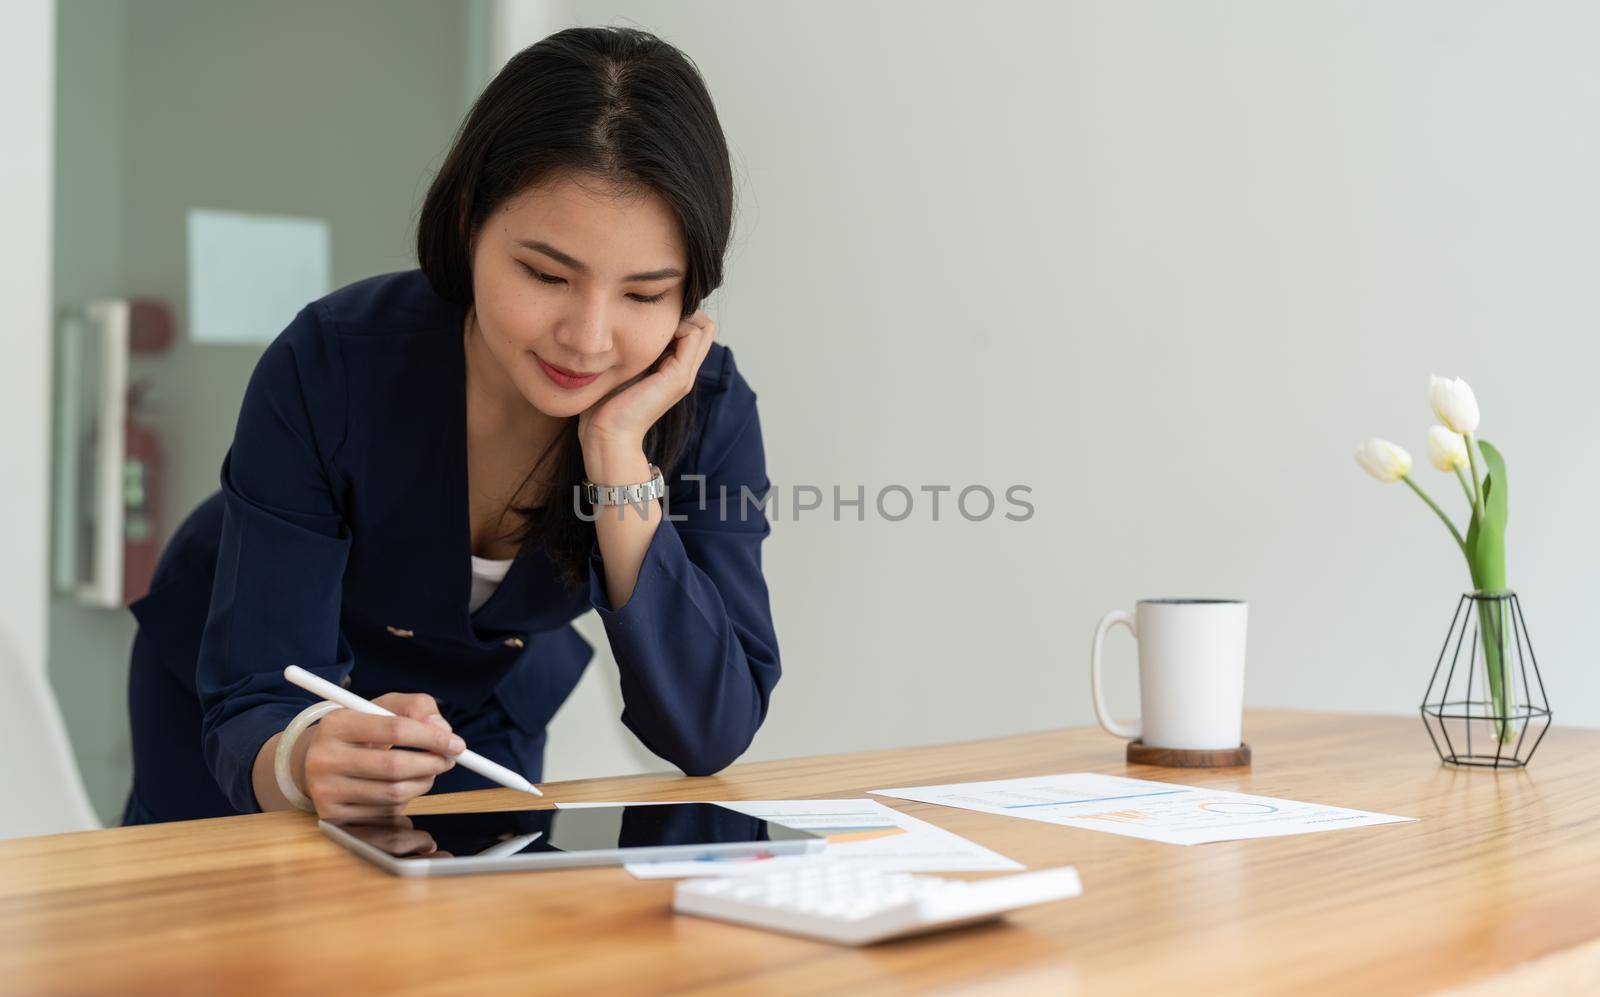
column 1485, row 705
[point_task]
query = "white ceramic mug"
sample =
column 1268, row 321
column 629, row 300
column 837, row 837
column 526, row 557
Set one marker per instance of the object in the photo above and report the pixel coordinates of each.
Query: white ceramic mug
column 1191, row 672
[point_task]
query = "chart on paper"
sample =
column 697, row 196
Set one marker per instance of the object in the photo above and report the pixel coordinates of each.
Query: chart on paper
column 1139, row 808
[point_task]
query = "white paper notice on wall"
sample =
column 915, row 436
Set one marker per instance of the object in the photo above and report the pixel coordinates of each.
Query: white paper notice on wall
column 250, row 274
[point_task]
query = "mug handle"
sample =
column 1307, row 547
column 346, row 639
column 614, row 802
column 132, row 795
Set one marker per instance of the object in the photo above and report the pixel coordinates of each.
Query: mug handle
column 1101, row 713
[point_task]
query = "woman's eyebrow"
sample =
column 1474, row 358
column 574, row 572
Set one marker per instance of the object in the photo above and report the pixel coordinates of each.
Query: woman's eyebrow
column 567, row 261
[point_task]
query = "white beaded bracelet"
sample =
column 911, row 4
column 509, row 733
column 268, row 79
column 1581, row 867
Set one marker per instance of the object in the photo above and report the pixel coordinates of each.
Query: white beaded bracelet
column 281, row 760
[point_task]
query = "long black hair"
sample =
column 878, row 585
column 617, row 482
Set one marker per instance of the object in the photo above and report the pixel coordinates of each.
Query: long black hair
column 620, row 105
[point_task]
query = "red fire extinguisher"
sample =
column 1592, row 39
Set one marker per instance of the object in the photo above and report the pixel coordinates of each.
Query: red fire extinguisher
column 150, row 331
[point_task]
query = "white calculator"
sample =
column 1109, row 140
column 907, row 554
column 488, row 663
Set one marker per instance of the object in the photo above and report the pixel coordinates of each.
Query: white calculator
column 857, row 906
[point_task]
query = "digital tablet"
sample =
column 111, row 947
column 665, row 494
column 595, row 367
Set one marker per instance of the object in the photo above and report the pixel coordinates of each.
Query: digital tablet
column 507, row 840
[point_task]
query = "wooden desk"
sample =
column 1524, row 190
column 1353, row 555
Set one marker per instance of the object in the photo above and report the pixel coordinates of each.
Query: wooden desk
column 1501, row 874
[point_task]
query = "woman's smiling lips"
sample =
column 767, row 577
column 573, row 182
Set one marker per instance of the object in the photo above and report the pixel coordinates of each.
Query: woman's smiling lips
column 562, row 377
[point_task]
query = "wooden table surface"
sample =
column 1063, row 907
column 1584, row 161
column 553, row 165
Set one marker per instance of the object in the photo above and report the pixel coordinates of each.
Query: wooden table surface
column 1501, row 875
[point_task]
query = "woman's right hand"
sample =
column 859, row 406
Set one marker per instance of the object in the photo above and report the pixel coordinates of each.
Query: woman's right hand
column 356, row 764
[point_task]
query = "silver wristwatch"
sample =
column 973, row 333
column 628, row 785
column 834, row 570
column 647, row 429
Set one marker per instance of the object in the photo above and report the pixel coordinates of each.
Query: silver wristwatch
column 599, row 495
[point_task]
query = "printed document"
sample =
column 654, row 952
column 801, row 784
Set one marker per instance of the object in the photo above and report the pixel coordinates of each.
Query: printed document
column 1138, row 808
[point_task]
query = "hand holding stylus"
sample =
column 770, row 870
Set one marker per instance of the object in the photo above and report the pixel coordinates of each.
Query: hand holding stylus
column 350, row 771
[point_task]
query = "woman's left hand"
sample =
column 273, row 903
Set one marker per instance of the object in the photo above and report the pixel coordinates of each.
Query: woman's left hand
column 612, row 430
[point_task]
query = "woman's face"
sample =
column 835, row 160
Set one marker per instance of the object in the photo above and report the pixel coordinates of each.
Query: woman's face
column 569, row 278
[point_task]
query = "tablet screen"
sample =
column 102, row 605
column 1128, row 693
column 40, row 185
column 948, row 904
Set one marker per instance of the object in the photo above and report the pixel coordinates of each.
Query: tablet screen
column 580, row 829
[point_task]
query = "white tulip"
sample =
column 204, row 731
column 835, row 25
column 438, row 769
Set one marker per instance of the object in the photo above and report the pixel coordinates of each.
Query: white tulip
column 1446, row 450
column 1384, row 460
column 1454, row 403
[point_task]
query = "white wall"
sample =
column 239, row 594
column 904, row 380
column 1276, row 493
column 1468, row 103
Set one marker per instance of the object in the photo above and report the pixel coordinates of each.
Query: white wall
column 1167, row 263
column 27, row 81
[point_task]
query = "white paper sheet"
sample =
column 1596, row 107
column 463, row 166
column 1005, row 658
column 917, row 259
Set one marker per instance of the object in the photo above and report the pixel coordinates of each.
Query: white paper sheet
column 1139, row 808
column 250, row 274
column 861, row 833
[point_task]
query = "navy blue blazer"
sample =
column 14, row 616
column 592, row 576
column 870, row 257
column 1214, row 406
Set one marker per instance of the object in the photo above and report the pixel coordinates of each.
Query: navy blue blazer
column 344, row 546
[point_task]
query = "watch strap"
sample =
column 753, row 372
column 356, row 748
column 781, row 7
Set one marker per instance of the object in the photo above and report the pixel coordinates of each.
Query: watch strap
column 645, row 491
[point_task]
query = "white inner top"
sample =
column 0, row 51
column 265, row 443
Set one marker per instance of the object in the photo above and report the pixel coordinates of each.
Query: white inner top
column 486, row 577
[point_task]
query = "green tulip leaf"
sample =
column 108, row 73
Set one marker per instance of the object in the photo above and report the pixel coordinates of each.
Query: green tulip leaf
column 1487, row 540
column 1494, row 484
column 1488, row 554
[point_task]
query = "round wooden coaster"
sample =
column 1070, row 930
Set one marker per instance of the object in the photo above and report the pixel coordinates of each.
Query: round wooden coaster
column 1141, row 754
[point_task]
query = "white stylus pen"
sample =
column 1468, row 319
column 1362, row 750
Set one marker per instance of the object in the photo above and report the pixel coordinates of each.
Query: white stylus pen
column 350, row 701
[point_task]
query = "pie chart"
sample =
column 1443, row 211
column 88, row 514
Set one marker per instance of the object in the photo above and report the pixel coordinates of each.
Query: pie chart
column 1238, row 809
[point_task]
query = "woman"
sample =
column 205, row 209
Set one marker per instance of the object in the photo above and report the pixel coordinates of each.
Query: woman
column 399, row 512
